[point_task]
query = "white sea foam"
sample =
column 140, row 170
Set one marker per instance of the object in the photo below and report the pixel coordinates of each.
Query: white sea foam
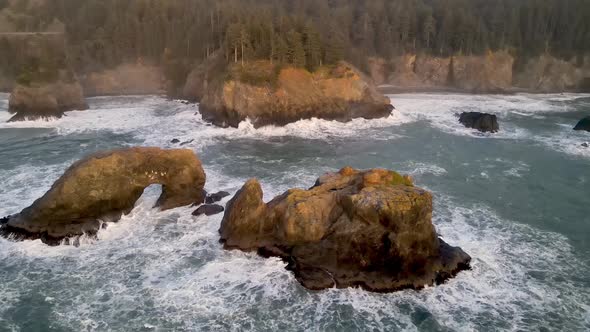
column 156, row 121
column 442, row 110
column 166, row 270
column 414, row 169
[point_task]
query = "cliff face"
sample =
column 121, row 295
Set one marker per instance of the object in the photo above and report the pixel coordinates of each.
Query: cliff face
column 268, row 95
column 490, row 73
column 548, row 74
column 418, row 71
column 487, row 73
column 126, row 79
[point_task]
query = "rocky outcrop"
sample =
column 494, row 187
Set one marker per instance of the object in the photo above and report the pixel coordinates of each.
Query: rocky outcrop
column 481, row 121
column 104, row 186
column 353, row 228
column 208, row 210
column 583, row 124
column 126, row 79
column 269, row 95
column 46, row 99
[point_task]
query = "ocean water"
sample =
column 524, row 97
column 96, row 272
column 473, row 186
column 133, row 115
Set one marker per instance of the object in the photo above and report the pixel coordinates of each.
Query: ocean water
column 518, row 202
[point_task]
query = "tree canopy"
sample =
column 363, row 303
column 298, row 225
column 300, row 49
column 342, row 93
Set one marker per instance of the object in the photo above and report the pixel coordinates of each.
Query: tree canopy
column 303, row 32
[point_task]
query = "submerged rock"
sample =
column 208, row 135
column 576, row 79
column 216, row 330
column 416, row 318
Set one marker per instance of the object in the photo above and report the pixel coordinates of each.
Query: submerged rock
column 104, row 186
column 483, row 122
column 583, row 124
column 208, row 210
column 175, row 141
column 270, row 95
column 585, row 145
column 353, row 228
column 216, row 197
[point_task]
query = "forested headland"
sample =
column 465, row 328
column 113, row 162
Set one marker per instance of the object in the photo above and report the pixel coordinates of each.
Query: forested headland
column 105, row 33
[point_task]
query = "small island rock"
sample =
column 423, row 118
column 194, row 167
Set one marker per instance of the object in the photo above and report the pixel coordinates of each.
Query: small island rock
column 353, row 228
column 483, row 122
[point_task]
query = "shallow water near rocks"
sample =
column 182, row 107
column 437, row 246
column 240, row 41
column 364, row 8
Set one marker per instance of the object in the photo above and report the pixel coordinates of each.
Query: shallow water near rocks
column 518, row 202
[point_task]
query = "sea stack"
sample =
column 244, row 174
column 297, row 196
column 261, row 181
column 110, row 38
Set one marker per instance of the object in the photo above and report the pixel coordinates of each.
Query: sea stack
column 371, row 229
column 104, row 186
column 269, row 94
column 39, row 99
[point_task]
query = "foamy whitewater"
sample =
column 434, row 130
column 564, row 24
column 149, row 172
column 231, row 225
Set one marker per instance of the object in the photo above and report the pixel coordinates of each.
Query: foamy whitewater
column 518, row 202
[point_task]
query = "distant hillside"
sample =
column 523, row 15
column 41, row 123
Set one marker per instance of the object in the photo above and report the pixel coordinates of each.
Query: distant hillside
column 177, row 35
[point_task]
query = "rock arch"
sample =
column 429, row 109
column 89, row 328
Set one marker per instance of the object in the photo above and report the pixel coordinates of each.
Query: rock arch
column 106, row 185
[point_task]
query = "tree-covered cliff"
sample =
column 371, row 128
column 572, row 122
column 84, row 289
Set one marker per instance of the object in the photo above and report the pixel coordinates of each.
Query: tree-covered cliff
column 104, row 33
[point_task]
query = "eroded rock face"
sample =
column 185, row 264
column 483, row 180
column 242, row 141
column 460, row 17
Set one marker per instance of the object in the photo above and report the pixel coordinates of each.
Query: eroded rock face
column 583, row 124
column 267, row 97
column 46, row 100
column 353, row 228
column 549, row 74
column 481, row 121
column 104, row 186
column 490, row 73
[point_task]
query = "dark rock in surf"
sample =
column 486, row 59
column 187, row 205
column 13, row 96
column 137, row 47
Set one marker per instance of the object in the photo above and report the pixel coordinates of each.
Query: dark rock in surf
column 208, row 210
column 104, row 186
column 175, row 141
column 187, row 142
column 216, row 197
column 585, row 145
column 354, row 228
column 483, row 122
column 583, row 124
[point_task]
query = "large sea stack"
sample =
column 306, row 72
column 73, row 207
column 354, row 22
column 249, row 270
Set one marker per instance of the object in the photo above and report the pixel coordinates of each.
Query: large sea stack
column 104, row 186
column 370, row 229
column 269, row 94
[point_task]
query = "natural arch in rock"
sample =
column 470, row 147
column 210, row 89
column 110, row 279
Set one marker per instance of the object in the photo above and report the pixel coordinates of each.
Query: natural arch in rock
column 106, row 185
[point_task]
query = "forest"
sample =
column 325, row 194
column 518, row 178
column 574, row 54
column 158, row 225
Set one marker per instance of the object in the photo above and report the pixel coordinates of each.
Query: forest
column 104, row 33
